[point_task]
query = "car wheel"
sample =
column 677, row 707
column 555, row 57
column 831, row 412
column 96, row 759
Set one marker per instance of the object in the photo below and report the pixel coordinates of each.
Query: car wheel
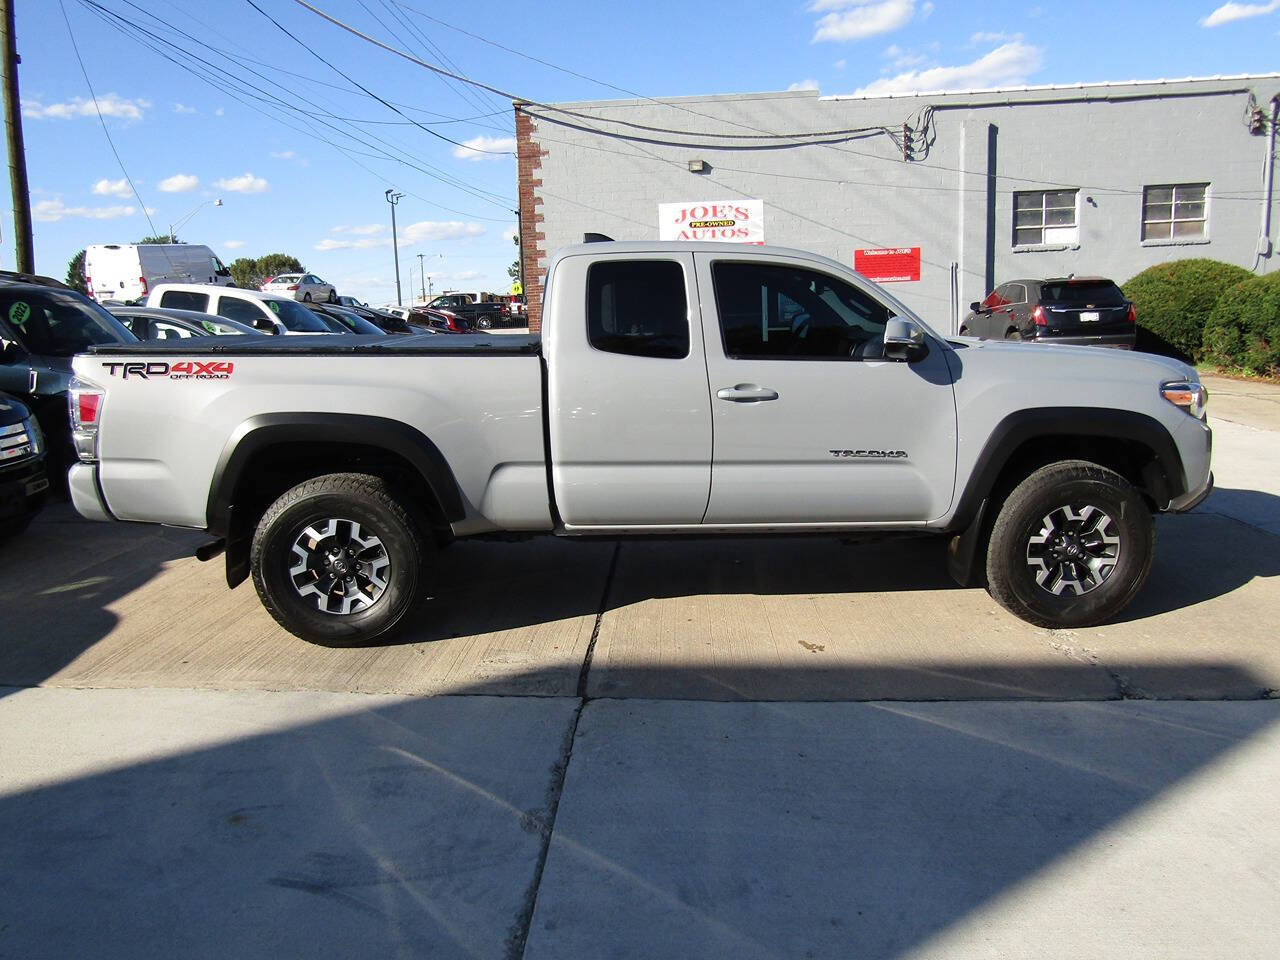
column 1071, row 546
column 333, row 296
column 964, row 331
column 1013, row 335
column 484, row 323
column 306, row 298
column 338, row 561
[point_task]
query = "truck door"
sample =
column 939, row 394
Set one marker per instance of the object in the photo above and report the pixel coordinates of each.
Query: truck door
column 628, row 410
column 812, row 424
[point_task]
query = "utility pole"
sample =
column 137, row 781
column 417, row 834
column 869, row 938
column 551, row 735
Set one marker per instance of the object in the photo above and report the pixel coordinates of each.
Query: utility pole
column 392, row 198
column 423, row 272
column 17, row 152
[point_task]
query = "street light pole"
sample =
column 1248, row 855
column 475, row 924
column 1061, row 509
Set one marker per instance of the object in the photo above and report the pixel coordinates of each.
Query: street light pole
column 423, row 272
column 393, row 198
column 17, row 152
column 173, row 236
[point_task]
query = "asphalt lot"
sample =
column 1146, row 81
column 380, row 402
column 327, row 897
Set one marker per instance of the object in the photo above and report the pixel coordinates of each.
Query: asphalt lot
column 180, row 774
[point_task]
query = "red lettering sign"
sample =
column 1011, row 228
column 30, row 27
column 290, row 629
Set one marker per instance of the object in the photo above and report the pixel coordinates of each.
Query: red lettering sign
column 888, row 264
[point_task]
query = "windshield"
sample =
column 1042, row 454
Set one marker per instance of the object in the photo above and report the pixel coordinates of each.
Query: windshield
column 58, row 323
column 1088, row 293
column 355, row 323
column 296, row 317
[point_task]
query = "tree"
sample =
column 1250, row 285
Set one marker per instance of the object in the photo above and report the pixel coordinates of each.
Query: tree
column 75, row 273
column 250, row 274
column 160, row 238
column 513, row 271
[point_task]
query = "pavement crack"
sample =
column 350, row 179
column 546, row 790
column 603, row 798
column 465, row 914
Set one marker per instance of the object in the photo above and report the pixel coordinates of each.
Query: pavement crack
column 595, row 630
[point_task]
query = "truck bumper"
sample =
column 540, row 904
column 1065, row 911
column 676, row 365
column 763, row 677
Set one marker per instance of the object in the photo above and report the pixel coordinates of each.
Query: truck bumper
column 86, row 496
column 1119, row 341
column 1193, row 499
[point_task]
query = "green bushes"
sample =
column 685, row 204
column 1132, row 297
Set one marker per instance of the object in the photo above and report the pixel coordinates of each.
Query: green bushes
column 1174, row 301
column 1243, row 332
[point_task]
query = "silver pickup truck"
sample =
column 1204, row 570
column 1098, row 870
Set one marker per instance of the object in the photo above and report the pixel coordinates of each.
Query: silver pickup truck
column 676, row 389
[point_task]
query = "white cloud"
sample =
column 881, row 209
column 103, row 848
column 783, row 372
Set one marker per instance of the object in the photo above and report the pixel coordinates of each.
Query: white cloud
column 414, row 233
column 233, row 244
column 179, row 183
column 841, row 63
column 283, row 154
column 1009, row 64
column 50, row 211
column 363, row 230
column 219, row 112
column 112, row 188
column 245, row 183
column 183, row 108
column 859, row 19
column 982, row 38
column 493, row 147
column 1230, row 12
column 807, row 84
column 111, row 105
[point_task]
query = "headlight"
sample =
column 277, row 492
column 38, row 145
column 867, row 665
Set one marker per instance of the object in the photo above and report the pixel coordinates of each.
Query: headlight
column 1190, row 395
column 34, row 434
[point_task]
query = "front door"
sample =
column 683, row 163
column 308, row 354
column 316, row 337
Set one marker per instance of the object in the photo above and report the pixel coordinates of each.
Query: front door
column 629, row 413
column 811, row 423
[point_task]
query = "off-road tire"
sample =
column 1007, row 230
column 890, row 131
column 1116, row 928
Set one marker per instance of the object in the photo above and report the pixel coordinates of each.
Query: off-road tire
column 1011, row 580
column 352, row 496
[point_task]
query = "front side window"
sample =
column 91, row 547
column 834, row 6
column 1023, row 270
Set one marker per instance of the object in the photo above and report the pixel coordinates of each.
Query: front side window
column 185, row 300
column 1175, row 211
column 638, row 307
column 772, row 311
column 246, row 311
column 296, row 317
column 1045, row 217
column 57, row 324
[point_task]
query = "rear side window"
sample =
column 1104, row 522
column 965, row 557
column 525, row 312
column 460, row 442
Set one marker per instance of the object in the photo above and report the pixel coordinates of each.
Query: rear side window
column 638, row 307
column 185, row 300
column 1076, row 293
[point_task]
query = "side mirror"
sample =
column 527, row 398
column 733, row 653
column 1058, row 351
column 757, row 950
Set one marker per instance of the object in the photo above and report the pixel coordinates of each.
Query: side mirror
column 977, row 307
column 8, row 350
column 265, row 325
column 903, row 340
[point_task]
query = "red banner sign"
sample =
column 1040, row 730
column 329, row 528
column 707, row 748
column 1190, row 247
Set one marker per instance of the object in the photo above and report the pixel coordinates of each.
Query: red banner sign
column 889, row 264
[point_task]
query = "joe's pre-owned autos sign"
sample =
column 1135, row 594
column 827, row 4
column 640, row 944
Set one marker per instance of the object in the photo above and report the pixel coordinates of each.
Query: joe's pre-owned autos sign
column 888, row 264
column 733, row 221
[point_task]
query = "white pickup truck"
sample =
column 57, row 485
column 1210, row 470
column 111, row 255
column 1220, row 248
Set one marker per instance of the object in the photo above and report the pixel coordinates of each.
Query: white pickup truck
column 676, row 389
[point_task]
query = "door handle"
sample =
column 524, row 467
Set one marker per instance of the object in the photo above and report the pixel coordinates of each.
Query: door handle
column 746, row 393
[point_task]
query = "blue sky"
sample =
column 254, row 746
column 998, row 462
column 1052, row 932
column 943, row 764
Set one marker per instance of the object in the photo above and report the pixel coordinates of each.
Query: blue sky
column 185, row 142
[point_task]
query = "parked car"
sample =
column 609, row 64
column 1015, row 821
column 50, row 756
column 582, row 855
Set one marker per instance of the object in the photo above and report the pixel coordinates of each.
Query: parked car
column 23, row 483
column 43, row 323
column 271, row 313
column 387, row 322
column 481, row 315
column 1089, row 311
column 336, row 497
column 341, row 320
column 441, row 321
column 127, row 271
column 306, row 287
column 351, row 302
column 158, row 323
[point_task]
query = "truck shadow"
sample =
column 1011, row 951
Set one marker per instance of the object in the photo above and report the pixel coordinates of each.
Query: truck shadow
column 391, row 826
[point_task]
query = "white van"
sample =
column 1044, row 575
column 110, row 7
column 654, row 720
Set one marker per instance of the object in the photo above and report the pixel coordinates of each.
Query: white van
column 129, row 271
column 267, row 312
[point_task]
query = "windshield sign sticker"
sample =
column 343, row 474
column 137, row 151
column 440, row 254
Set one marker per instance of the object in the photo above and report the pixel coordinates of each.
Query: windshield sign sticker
column 210, row 326
column 273, row 306
column 18, row 314
column 182, row 370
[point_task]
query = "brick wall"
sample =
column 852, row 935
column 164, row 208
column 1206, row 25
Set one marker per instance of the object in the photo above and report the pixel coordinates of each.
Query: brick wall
column 529, row 165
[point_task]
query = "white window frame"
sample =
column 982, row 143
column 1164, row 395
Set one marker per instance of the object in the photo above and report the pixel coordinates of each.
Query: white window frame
column 1064, row 236
column 1171, row 240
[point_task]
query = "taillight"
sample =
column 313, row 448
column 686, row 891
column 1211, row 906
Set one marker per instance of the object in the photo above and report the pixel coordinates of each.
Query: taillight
column 293, row 286
column 143, row 281
column 85, row 403
column 1038, row 317
column 88, row 284
column 1133, row 314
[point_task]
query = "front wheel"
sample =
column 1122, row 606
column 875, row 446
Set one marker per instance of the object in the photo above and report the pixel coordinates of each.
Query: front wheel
column 484, row 323
column 1071, row 546
column 338, row 561
column 333, row 296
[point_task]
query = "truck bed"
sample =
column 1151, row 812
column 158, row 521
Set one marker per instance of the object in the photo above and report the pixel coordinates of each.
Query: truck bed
column 424, row 344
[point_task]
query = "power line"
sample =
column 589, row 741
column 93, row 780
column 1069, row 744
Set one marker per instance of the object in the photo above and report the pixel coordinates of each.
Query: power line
column 97, row 109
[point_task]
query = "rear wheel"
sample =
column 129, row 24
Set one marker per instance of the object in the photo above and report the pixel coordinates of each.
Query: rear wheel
column 1013, row 335
column 338, row 561
column 306, row 298
column 333, row 296
column 1071, row 546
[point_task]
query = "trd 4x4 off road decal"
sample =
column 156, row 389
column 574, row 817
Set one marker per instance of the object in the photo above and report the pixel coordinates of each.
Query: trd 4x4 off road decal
column 182, row 370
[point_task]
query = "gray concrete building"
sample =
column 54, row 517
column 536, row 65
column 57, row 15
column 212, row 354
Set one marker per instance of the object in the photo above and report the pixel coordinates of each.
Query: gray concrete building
column 963, row 190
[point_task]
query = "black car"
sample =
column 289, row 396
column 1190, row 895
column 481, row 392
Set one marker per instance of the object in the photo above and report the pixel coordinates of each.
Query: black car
column 22, row 477
column 166, row 323
column 387, row 322
column 342, row 320
column 43, row 324
column 1078, row 310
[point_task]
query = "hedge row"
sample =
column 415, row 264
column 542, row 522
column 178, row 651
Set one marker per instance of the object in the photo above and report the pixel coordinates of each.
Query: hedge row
column 1243, row 332
column 1175, row 300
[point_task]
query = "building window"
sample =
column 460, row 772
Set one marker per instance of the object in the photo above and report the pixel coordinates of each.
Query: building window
column 1176, row 211
column 1043, row 217
column 638, row 307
